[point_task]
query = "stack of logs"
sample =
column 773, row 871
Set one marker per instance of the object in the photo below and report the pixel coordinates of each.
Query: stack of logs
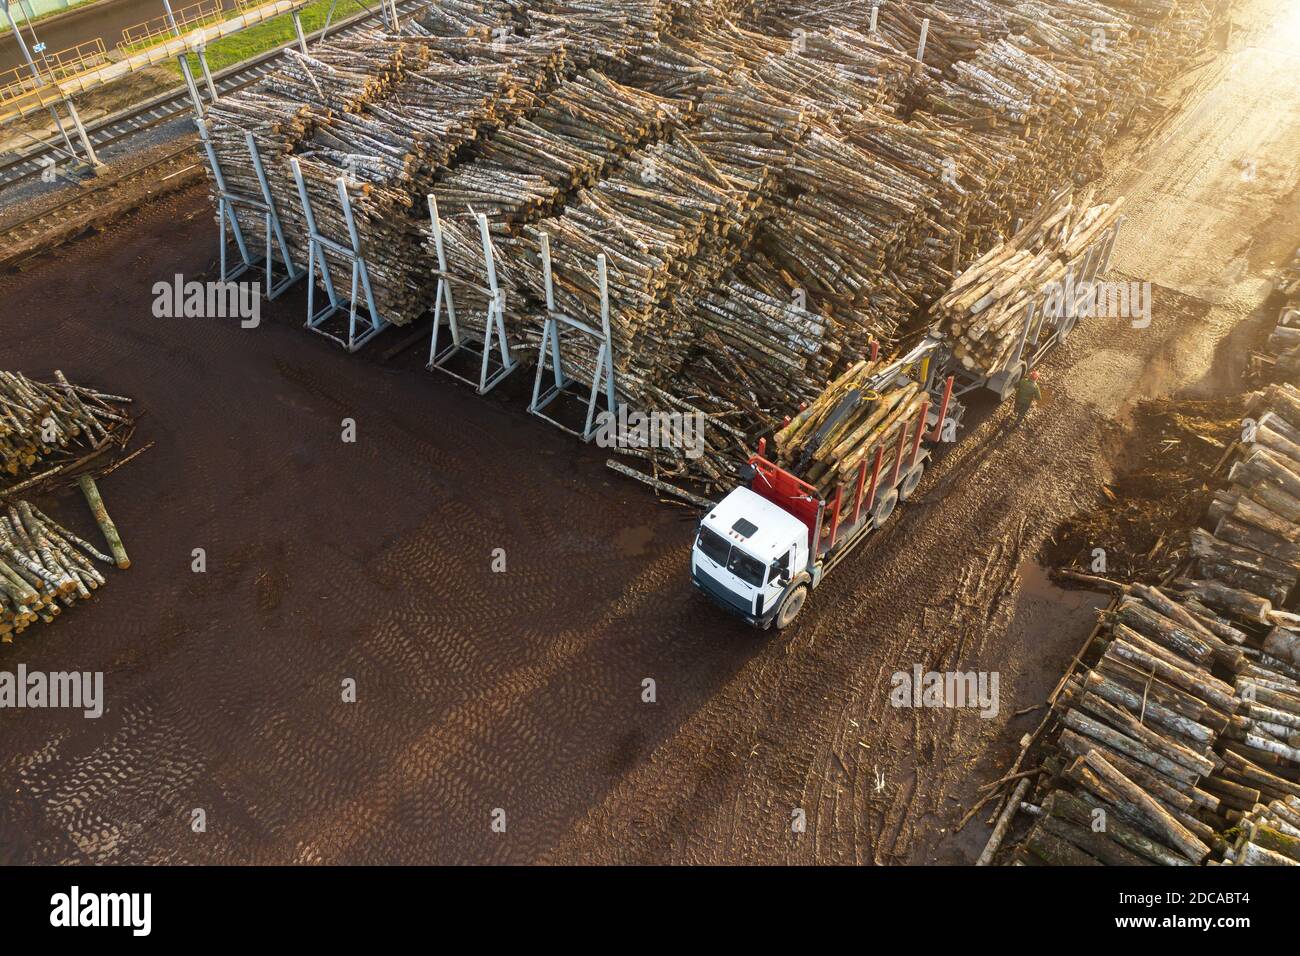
column 44, row 423
column 1283, row 361
column 857, row 415
column 1186, row 730
column 1268, row 836
column 985, row 310
column 529, row 169
column 44, row 567
column 815, row 190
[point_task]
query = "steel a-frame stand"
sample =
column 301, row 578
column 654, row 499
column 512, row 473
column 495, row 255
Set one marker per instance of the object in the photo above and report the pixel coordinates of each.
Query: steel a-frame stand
column 602, row 378
column 227, row 215
column 359, row 329
column 491, row 370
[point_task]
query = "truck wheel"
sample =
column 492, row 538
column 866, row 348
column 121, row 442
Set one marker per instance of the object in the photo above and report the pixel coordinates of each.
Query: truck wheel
column 910, row 481
column 791, row 607
column 884, row 507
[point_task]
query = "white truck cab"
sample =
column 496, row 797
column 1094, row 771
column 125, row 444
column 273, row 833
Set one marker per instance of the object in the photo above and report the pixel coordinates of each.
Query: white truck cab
column 747, row 552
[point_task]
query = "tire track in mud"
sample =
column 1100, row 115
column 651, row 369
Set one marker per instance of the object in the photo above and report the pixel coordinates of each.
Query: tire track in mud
column 522, row 690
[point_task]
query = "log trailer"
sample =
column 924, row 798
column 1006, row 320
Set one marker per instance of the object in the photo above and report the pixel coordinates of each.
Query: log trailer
column 761, row 549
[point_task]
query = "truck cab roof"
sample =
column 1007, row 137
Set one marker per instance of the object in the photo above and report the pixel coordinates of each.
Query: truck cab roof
column 761, row 528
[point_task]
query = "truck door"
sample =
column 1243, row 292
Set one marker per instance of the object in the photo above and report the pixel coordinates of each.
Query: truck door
column 778, row 576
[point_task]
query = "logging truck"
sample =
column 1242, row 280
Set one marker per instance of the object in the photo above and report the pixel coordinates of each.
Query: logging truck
column 761, row 549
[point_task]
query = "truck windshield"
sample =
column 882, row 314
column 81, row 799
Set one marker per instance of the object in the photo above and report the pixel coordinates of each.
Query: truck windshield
column 746, row 568
column 720, row 550
column 715, row 546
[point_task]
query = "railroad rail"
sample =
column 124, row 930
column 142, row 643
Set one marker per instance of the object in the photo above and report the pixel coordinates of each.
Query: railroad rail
column 52, row 223
column 174, row 103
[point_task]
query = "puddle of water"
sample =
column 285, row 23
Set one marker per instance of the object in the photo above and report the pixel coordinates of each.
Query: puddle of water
column 633, row 542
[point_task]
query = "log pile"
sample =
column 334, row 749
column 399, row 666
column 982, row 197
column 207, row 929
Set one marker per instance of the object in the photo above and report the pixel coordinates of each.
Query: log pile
column 1268, row 836
column 44, row 568
column 1185, row 730
column 1281, row 360
column 854, row 418
column 529, row 169
column 44, row 424
column 984, row 311
column 812, row 161
column 390, row 151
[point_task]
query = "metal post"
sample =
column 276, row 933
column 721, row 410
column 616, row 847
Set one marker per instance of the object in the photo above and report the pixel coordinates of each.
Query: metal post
column 943, row 410
column 184, row 60
column 302, row 37
column 224, row 209
column 443, row 292
column 859, row 485
column 314, row 249
column 602, row 356
column 875, row 477
column 920, row 433
column 550, row 307
column 72, row 110
column 273, row 224
column 359, row 268
column 835, row 514
column 875, row 12
column 81, row 131
column 496, row 316
column 920, row 47
column 207, row 74
column 898, row 456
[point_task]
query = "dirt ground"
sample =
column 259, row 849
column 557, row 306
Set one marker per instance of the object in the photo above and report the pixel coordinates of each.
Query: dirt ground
column 1140, row 519
column 522, row 691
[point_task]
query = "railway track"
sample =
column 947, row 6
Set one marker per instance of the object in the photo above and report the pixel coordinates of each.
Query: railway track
column 91, row 204
column 173, row 104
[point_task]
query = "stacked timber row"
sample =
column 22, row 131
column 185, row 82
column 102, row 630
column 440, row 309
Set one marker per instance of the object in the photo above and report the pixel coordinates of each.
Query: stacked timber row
column 856, row 420
column 1162, row 746
column 283, row 111
column 813, row 190
column 986, row 310
column 1282, row 361
column 1268, row 836
column 1185, row 731
column 531, row 169
column 42, row 423
column 44, row 568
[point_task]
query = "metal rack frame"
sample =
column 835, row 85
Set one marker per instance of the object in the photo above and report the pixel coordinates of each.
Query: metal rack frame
column 358, row 332
column 228, row 200
column 491, row 370
column 602, row 379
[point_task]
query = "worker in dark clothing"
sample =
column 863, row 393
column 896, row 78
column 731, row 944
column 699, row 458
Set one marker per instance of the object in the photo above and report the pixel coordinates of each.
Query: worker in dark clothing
column 1027, row 392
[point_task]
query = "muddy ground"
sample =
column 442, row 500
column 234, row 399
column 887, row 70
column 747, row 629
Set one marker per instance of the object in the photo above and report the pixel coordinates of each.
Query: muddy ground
column 523, row 691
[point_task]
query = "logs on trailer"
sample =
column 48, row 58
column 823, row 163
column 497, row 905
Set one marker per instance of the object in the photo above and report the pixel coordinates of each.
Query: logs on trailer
column 44, row 568
column 986, row 309
column 854, row 417
column 42, row 423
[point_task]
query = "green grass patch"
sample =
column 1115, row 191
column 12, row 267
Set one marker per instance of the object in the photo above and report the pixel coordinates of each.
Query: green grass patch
column 247, row 44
